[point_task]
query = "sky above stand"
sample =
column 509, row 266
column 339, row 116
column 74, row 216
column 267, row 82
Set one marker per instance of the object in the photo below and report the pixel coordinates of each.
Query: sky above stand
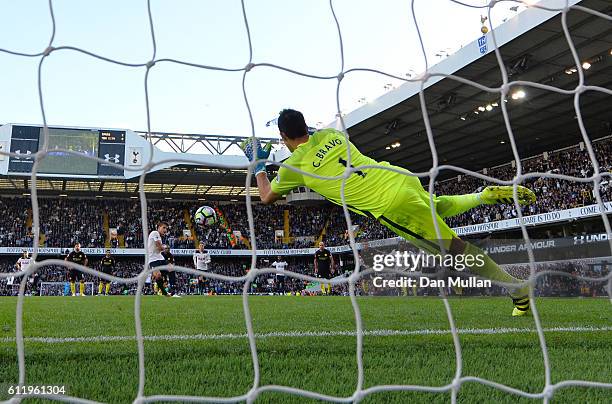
column 79, row 90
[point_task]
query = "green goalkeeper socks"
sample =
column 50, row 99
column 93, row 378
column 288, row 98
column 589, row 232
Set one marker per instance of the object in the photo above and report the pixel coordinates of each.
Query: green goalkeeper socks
column 452, row 205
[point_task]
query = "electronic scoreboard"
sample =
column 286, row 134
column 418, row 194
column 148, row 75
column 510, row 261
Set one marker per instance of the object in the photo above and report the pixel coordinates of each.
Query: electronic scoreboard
column 108, row 145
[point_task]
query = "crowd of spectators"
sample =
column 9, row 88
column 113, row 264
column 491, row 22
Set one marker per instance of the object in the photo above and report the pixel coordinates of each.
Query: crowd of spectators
column 364, row 228
column 306, row 225
column 125, row 216
column 65, row 222
column 266, row 219
column 552, row 194
column 563, row 285
column 14, row 231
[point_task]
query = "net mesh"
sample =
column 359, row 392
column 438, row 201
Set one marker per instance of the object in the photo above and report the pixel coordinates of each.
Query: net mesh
column 360, row 392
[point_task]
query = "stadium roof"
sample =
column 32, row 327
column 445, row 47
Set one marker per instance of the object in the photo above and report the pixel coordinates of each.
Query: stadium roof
column 172, row 183
column 541, row 121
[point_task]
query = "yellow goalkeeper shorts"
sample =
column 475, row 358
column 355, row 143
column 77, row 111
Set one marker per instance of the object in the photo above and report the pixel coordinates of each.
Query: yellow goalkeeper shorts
column 410, row 216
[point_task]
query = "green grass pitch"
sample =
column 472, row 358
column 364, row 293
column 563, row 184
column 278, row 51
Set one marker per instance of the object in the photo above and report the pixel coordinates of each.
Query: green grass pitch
column 218, row 362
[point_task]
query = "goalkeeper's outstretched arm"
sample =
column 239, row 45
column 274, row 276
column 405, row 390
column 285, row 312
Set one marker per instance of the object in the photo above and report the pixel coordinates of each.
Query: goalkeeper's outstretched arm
column 266, row 194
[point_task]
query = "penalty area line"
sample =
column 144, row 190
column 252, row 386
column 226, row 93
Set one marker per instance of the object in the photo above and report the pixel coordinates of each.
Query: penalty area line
column 303, row 334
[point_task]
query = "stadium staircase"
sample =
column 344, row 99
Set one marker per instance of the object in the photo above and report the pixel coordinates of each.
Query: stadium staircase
column 323, row 232
column 246, row 242
column 190, row 226
column 286, row 228
column 29, row 219
column 106, row 226
column 41, row 236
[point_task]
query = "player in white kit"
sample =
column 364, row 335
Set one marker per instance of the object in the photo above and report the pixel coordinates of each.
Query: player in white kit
column 156, row 259
column 201, row 259
column 280, row 265
column 23, row 263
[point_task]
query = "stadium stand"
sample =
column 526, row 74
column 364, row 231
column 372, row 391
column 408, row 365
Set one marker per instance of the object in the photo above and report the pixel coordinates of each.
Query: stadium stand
column 65, row 221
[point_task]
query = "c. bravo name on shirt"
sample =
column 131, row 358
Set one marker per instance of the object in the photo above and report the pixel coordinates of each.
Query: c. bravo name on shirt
column 322, row 152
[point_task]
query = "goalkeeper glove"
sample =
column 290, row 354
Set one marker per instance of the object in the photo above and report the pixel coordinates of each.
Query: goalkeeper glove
column 251, row 147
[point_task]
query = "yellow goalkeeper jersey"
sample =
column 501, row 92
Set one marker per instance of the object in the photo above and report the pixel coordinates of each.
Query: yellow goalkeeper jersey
column 368, row 191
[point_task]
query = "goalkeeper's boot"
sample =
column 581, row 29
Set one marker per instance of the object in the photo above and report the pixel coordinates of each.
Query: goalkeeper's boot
column 521, row 306
column 504, row 194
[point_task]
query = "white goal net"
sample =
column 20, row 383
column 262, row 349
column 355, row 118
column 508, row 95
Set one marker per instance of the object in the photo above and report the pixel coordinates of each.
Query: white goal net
column 502, row 92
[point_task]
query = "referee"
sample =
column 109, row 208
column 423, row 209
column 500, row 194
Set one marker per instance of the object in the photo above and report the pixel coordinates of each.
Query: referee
column 324, row 267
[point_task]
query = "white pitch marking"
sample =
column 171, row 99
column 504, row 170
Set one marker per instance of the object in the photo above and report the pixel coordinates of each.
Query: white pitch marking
column 302, row 334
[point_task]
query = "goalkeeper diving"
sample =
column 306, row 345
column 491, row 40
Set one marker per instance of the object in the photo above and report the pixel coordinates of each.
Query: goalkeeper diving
column 395, row 199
